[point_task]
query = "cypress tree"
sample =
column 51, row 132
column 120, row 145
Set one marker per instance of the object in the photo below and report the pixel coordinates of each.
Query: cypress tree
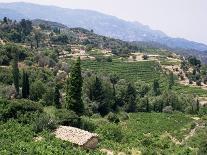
column 74, row 89
column 171, row 80
column 97, row 91
column 25, row 85
column 15, row 68
column 156, row 88
column 130, row 99
column 57, row 97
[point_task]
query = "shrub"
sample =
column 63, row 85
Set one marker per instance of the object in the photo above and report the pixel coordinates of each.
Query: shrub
column 198, row 82
column 6, row 76
column 43, row 122
column 66, row 117
column 113, row 118
column 111, row 132
column 28, row 62
column 17, row 108
column 202, row 111
column 37, row 90
column 87, row 124
column 193, row 125
column 109, row 59
column 145, row 57
column 167, row 109
column 123, row 116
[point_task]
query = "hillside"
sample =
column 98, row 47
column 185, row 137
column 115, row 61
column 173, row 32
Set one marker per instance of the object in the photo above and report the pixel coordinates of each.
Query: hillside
column 101, row 24
column 138, row 97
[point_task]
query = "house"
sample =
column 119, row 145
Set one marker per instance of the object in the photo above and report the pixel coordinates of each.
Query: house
column 77, row 136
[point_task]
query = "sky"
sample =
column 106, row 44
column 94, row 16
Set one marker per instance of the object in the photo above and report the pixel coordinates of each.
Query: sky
column 177, row 18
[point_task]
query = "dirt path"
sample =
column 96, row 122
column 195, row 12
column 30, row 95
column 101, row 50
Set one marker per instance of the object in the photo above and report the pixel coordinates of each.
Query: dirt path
column 189, row 135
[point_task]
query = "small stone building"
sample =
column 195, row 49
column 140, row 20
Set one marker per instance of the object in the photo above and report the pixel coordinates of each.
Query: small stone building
column 77, row 136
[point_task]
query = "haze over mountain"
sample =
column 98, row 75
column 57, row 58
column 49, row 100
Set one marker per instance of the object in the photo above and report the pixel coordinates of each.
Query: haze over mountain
column 101, row 23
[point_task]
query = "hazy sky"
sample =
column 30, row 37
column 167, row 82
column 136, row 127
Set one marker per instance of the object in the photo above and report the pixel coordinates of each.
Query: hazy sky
column 177, row 18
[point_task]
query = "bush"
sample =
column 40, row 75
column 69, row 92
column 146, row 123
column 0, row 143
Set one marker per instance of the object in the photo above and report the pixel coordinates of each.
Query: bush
column 113, row 118
column 111, row 132
column 67, row 118
column 37, row 90
column 167, row 109
column 109, row 59
column 28, row 62
column 202, row 111
column 198, row 82
column 87, row 124
column 17, row 108
column 123, row 116
column 6, row 76
column 43, row 122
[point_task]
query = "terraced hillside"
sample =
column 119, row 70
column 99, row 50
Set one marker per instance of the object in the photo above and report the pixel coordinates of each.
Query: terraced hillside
column 144, row 71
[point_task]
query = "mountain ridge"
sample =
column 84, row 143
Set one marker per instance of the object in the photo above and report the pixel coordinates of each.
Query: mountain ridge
column 101, row 23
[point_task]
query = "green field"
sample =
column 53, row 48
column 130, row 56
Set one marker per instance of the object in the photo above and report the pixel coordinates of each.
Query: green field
column 145, row 132
column 145, row 71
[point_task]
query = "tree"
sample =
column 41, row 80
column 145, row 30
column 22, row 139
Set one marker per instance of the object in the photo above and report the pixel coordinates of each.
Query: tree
column 5, row 20
column 25, row 85
column 97, row 91
column 25, row 28
column 156, row 88
column 57, row 97
column 171, row 80
column 37, row 90
column 130, row 99
column 114, row 79
column 15, row 68
column 74, row 89
column 37, row 37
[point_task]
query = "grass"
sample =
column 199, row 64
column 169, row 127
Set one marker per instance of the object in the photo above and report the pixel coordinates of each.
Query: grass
column 141, row 132
column 190, row 90
column 146, row 132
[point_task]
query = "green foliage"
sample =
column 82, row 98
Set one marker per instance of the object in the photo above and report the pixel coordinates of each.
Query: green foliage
column 20, row 139
column 88, row 124
column 156, row 88
column 37, row 90
column 17, row 108
column 111, row 132
column 74, row 89
column 67, row 118
column 113, row 118
column 57, row 97
column 15, row 68
column 25, row 85
column 6, row 76
column 43, row 122
column 144, row 71
column 171, row 80
column 130, row 99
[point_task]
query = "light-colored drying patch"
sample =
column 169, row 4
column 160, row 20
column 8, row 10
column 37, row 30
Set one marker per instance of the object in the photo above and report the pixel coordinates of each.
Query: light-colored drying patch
column 77, row 136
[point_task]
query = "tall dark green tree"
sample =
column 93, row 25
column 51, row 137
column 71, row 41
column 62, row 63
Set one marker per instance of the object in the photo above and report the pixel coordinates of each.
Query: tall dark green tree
column 171, row 80
column 74, row 89
column 114, row 79
column 156, row 88
column 25, row 85
column 130, row 99
column 15, row 68
column 99, row 96
column 57, row 97
column 97, row 91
